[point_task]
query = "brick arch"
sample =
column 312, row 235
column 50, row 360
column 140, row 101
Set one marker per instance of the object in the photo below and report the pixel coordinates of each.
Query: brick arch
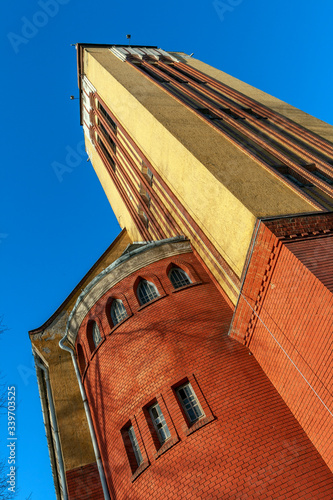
column 152, row 354
column 81, row 358
column 153, row 278
column 90, row 340
column 107, row 309
column 185, row 266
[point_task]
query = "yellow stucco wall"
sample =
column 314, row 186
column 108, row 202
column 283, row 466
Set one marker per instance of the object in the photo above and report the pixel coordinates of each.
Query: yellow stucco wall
column 115, row 200
column 222, row 188
column 74, row 433
column 310, row 122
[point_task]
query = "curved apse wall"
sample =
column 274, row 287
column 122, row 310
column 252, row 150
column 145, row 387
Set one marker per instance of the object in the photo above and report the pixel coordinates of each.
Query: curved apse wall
column 180, row 409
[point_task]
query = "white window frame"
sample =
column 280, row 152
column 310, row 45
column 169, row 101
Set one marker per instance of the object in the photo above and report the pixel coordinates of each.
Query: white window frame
column 160, row 425
column 96, row 334
column 152, row 287
column 175, row 283
column 114, row 310
column 192, row 405
column 135, row 445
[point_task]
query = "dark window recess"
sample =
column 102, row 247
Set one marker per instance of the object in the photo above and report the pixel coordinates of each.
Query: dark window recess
column 106, row 153
column 323, row 177
column 199, row 95
column 192, row 103
column 82, row 361
column 293, row 177
column 175, row 77
column 312, row 167
column 209, row 114
column 231, row 113
column 188, row 75
column 107, row 117
column 107, row 137
column 226, row 98
column 319, row 196
column 257, row 151
column 280, row 148
column 302, row 183
column 151, row 73
column 297, row 140
column 132, row 448
column 254, row 113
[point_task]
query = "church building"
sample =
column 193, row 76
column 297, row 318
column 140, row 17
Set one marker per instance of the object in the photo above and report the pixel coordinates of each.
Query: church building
column 194, row 359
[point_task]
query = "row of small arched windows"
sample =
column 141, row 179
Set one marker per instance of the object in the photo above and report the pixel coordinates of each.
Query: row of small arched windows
column 146, row 292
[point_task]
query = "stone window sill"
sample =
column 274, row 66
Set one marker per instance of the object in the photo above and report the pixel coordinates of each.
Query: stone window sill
column 151, row 302
column 139, row 470
column 120, row 323
column 200, row 423
column 187, row 286
column 166, row 446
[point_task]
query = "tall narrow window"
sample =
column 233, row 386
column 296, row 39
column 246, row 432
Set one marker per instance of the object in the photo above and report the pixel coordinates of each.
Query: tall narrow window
column 160, row 425
column 80, row 355
column 190, row 403
column 118, row 311
column 107, row 117
column 135, row 445
column 147, row 292
column 96, row 334
column 178, row 277
column 132, row 447
column 107, row 154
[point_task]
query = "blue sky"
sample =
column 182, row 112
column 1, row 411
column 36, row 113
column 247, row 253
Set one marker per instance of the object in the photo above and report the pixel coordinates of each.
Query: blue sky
column 51, row 232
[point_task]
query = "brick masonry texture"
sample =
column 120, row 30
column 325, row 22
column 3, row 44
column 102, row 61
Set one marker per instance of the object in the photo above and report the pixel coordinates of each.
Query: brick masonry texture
column 83, row 483
column 292, row 339
column 298, row 225
column 249, row 446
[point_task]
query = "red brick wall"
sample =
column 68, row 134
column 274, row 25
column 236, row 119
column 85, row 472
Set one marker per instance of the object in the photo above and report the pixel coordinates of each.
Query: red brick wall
column 302, row 224
column 248, row 446
column 292, row 340
column 316, row 253
column 84, row 484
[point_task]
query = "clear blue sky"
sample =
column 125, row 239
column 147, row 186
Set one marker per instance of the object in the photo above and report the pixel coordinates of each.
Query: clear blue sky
column 51, row 232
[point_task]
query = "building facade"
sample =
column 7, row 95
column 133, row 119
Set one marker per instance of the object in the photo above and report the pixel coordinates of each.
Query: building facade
column 196, row 353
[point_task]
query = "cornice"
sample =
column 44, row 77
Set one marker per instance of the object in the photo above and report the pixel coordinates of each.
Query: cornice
column 126, row 265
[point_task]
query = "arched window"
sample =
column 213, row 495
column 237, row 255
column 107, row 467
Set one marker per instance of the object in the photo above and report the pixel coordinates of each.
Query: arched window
column 81, row 358
column 147, row 291
column 178, row 277
column 96, row 334
column 118, row 311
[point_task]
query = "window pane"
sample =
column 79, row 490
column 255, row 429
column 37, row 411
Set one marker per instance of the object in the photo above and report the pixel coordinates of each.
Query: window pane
column 107, row 117
column 135, row 445
column 118, row 311
column 96, row 334
column 178, row 277
column 159, row 422
column 190, row 403
column 146, row 292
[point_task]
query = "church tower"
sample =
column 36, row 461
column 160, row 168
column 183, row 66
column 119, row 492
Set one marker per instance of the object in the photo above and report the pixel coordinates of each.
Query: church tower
column 194, row 357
